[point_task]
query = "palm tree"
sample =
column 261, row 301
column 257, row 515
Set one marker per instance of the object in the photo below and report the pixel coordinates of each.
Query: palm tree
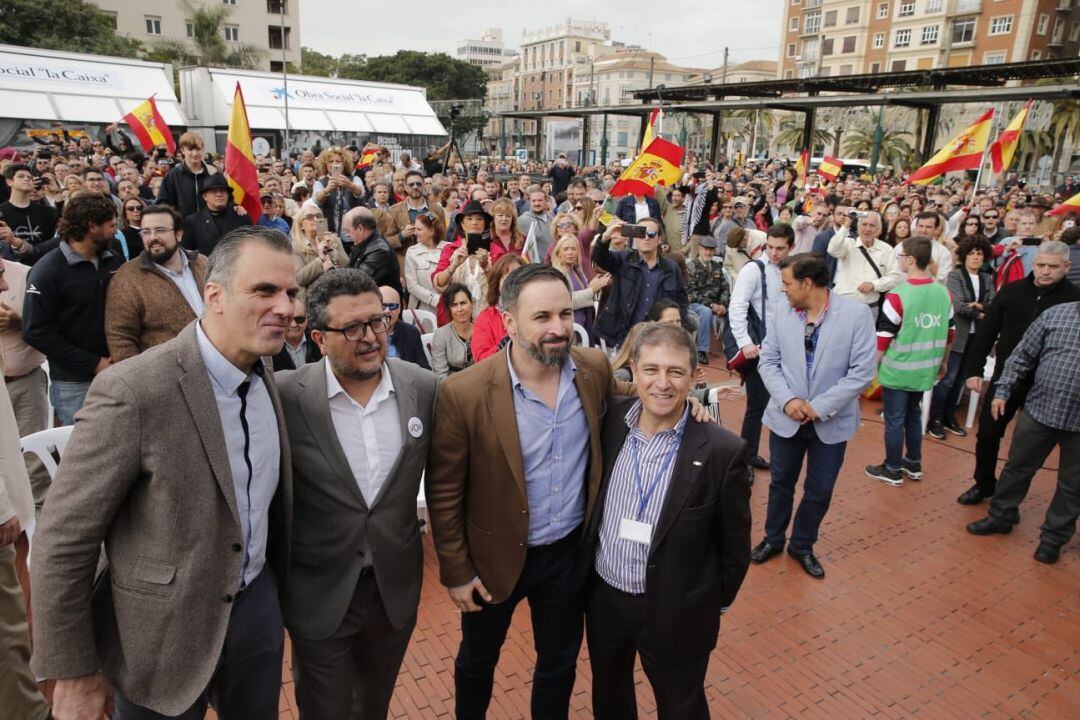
column 1065, row 126
column 791, row 135
column 1032, row 145
column 895, row 151
column 756, row 119
column 208, row 46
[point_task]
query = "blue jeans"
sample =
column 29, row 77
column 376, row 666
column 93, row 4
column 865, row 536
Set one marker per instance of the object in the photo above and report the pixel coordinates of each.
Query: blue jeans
column 705, row 325
column 903, row 424
column 67, row 399
column 947, row 392
column 823, row 464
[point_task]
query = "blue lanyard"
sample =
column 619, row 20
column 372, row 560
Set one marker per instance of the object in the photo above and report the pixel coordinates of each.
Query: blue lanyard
column 645, row 494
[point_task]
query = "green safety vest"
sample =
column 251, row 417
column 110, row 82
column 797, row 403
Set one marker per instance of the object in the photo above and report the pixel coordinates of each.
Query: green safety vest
column 912, row 360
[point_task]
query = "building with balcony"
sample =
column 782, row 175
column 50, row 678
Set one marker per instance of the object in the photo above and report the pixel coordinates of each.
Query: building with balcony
column 273, row 26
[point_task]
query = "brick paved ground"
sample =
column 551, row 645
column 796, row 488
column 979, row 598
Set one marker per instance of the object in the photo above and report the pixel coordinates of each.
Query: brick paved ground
column 915, row 619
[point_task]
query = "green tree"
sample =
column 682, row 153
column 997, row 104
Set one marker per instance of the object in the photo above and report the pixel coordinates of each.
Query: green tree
column 323, row 65
column 444, row 77
column 72, row 25
column 1065, row 126
column 790, row 135
column 208, row 46
column 895, row 150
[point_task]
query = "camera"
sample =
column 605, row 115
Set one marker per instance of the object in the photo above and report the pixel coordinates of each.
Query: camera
column 455, row 111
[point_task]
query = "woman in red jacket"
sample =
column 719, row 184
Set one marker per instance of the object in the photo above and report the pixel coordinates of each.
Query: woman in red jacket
column 489, row 333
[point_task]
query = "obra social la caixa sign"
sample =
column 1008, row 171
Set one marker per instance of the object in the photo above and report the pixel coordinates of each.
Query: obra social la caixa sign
column 40, row 71
column 328, row 96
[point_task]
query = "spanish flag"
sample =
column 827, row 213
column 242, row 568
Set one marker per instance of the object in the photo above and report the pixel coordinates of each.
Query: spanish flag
column 802, row 166
column 830, row 168
column 148, row 125
column 240, row 168
column 367, row 156
column 1070, row 205
column 652, row 129
column 1003, row 149
column 963, row 152
column 657, row 165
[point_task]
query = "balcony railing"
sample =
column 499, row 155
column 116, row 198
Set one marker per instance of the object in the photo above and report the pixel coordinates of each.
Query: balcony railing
column 968, row 6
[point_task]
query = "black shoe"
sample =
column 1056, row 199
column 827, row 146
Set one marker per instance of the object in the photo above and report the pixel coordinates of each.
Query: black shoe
column 989, row 526
column 912, row 469
column 885, row 475
column 972, row 496
column 758, row 463
column 702, row 358
column 1047, row 553
column 764, row 551
column 954, row 427
column 809, row 563
column 935, row 429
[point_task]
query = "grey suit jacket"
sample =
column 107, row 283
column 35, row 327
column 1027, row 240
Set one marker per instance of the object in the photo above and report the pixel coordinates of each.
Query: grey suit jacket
column 147, row 473
column 844, row 364
column 332, row 522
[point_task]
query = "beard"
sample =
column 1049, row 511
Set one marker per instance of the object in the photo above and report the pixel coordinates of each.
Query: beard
column 163, row 255
column 555, row 356
column 359, row 374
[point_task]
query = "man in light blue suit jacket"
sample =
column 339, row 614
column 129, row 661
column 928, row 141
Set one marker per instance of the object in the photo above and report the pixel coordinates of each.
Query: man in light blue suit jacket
column 818, row 356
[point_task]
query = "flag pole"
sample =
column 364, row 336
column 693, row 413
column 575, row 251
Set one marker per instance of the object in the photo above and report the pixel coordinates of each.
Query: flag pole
column 982, row 163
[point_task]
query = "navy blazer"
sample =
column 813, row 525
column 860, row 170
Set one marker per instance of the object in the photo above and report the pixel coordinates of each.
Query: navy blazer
column 625, row 209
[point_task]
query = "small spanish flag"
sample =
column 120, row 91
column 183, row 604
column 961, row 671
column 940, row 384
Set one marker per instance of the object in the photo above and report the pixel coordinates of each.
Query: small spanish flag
column 149, row 127
column 963, row 152
column 367, row 156
column 1003, row 149
column 658, row 165
column 830, row 168
column 240, row 169
column 1070, row 205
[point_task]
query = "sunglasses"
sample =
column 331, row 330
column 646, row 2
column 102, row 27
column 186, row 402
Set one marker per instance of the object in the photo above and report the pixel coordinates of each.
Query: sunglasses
column 414, row 184
column 651, row 234
column 991, row 217
column 134, row 209
column 390, row 306
column 298, row 320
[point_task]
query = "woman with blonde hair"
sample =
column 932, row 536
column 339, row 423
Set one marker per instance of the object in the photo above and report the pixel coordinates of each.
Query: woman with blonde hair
column 313, row 254
column 566, row 258
column 336, row 191
column 504, row 227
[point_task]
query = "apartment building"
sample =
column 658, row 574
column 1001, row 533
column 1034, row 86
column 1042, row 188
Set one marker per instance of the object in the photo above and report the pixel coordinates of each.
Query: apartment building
column 273, row 26
column 845, row 37
column 486, row 51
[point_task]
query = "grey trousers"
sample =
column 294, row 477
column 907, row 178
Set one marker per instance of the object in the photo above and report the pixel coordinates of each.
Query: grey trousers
column 19, row 696
column 1032, row 444
column 30, row 401
column 352, row 673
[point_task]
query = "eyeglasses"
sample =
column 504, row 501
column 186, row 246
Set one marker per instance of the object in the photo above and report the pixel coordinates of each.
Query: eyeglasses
column 298, row 320
column 973, row 224
column 155, row 232
column 390, row 306
column 357, row 330
column 995, row 216
column 134, row 208
column 414, row 184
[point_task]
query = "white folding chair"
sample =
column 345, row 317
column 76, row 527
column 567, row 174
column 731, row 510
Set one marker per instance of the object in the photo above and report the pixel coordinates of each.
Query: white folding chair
column 48, row 382
column 581, row 335
column 927, row 397
column 45, row 443
column 424, row 320
column 425, row 340
column 421, row 505
column 973, row 402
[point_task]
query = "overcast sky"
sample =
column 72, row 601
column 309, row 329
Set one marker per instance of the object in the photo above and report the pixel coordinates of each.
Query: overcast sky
column 694, row 35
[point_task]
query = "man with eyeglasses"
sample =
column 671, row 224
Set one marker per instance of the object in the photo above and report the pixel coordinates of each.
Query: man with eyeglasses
column 299, row 348
column 359, row 424
column 402, row 232
column 405, row 341
column 992, row 228
column 157, row 294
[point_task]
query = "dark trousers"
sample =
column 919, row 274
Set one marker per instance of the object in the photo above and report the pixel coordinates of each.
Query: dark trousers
column 352, row 673
column 947, row 391
column 988, row 437
column 551, row 582
column 247, row 682
column 903, row 426
column 1032, row 444
column 616, row 625
column 757, row 398
column 823, row 464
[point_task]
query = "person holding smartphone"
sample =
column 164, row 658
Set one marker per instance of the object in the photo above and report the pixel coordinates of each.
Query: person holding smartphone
column 315, row 248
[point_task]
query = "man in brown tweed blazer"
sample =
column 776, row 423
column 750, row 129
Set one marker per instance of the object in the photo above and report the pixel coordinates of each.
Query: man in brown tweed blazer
column 154, row 296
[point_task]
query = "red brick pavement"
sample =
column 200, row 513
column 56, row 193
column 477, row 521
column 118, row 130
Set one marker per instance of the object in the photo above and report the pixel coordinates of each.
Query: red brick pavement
column 915, row 619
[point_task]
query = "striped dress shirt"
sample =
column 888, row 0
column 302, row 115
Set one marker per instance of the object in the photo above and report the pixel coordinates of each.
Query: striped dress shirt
column 641, row 462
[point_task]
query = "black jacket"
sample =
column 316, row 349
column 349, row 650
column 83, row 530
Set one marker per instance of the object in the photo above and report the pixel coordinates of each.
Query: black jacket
column 626, row 267
column 700, row 547
column 626, row 211
column 284, row 361
column 203, row 229
column 1010, row 314
column 409, row 344
column 64, row 311
column 375, row 257
column 180, row 188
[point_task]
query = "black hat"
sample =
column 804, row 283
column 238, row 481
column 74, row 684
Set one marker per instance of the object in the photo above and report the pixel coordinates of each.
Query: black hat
column 473, row 207
column 216, row 181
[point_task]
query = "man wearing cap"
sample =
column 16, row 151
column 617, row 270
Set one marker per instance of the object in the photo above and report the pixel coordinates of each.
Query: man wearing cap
column 740, row 207
column 708, row 293
column 203, row 228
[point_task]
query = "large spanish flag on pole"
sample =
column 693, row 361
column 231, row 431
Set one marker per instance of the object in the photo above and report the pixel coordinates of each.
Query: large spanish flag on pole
column 658, row 165
column 240, row 167
column 652, row 129
column 1003, row 149
column 149, row 127
column 802, row 168
column 1070, row 205
column 963, row 152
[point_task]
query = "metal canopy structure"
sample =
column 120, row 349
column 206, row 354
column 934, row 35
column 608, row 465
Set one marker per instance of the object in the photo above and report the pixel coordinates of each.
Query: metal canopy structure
column 902, row 89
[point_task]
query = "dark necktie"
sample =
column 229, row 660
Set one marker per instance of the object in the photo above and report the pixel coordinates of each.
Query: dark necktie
column 242, row 391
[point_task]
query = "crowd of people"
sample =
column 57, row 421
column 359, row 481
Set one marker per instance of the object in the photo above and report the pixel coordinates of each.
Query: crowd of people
column 256, row 407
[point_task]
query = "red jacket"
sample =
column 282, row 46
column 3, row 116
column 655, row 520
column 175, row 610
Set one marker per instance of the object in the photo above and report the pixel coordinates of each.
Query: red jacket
column 488, row 333
column 497, row 251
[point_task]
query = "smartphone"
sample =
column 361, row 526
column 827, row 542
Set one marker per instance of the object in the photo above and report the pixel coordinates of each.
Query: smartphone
column 633, row 231
column 321, row 227
column 1068, row 224
column 478, row 241
column 1031, row 241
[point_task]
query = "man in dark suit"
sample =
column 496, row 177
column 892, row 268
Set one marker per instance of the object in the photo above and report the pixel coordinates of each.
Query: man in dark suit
column 299, row 349
column 406, row 341
column 371, row 253
column 669, row 536
column 203, row 228
column 632, row 209
column 194, row 509
column 360, row 424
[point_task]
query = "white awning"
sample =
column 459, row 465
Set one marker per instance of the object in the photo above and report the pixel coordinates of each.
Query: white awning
column 320, row 104
column 70, row 87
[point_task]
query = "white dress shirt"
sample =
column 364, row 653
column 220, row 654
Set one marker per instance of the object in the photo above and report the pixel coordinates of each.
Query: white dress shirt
column 369, row 435
column 185, row 282
column 852, row 270
column 747, row 294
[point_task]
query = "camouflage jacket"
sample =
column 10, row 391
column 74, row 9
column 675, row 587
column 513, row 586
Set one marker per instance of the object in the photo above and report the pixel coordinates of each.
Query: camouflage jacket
column 706, row 285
